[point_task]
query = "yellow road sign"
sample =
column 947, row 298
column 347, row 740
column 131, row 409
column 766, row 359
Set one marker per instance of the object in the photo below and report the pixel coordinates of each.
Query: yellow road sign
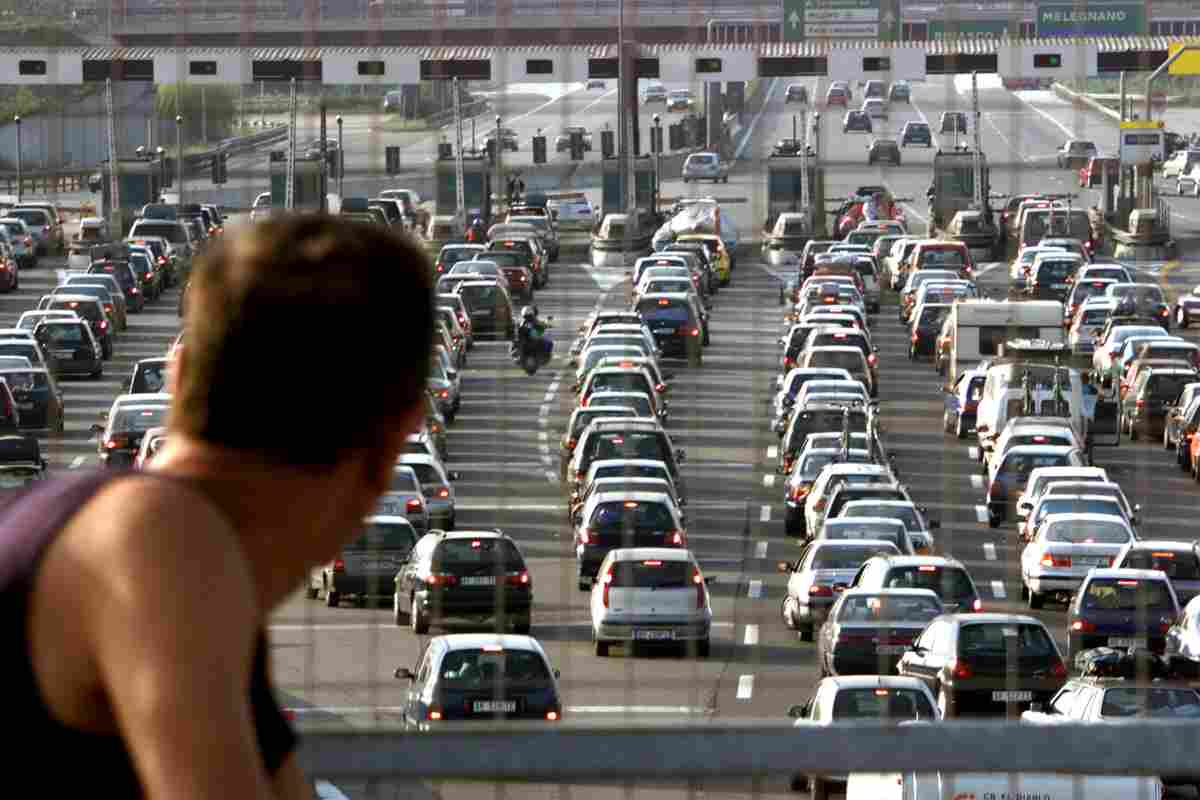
column 1186, row 64
column 1141, row 124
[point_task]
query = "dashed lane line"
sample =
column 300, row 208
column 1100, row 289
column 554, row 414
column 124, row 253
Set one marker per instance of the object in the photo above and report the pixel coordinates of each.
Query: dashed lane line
column 750, row 638
column 755, row 590
column 745, row 687
column 998, row 590
column 989, row 551
column 764, row 515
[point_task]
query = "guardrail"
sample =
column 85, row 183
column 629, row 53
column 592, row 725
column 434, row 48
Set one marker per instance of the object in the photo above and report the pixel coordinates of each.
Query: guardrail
column 196, row 162
column 711, row 751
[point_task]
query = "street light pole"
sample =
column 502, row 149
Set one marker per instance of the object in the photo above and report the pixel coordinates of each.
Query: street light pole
column 17, row 120
column 341, row 157
column 162, row 170
column 179, row 154
column 497, row 148
column 658, row 146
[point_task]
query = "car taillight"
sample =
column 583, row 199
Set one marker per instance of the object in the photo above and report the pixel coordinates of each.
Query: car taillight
column 960, row 669
column 518, row 578
column 133, row 290
column 444, row 394
column 1059, row 670
column 433, row 715
column 977, row 606
column 1140, row 403
column 800, row 492
column 443, row 492
column 149, row 275
column 695, row 331
column 552, row 716
column 1052, row 560
column 413, row 505
column 914, row 337
column 28, row 241
column 571, row 444
column 1165, row 312
column 817, row 590
column 439, row 579
column 339, row 565
column 675, row 537
column 701, row 595
column 103, row 324
column 1083, row 626
column 607, row 581
column 162, row 260
column 787, row 362
column 872, row 359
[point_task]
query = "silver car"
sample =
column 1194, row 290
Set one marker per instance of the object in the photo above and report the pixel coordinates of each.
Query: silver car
column 366, row 567
column 436, row 488
column 405, row 498
column 825, row 569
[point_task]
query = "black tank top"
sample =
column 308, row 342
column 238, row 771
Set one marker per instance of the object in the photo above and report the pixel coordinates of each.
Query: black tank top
column 44, row 754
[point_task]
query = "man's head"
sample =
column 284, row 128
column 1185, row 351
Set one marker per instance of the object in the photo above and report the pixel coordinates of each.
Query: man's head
column 270, row 302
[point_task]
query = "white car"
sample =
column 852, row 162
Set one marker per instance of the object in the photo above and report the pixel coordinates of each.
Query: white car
column 261, row 208
column 1041, row 477
column 650, row 595
column 704, row 167
column 1067, row 546
column 1189, row 182
column 1181, row 162
column 573, row 211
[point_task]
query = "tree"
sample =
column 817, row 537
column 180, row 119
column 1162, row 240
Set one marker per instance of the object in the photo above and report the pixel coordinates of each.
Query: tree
column 219, row 104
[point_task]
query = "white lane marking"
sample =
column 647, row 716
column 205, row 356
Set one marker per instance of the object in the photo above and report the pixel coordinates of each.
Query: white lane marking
column 542, row 435
column 749, row 134
column 764, row 515
column 760, row 550
column 1070, row 133
column 327, row 791
column 768, row 481
column 755, row 590
column 751, row 637
column 1005, row 139
column 549, row 398
column 550, row 476
column 973, row 453
column 544, row 448
column 998, row 590
column 772, row 452
column 547, row 460
column 981, row 513
column 78, row 462
column 976, row 481
column 607, row 94
column 989, row 551
column 552, row 388
column 544, row 411
column 745, row 688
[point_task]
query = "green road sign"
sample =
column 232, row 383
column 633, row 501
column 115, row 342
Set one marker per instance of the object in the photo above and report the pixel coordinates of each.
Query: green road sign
column 793, row 20
column 841, row 19
column 971, row 28
column 1092, row 19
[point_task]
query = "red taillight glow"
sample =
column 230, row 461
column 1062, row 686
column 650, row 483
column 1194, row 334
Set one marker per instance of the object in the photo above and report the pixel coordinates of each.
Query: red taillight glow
column 1083, row 626
column 977, row 606
column 816, row 590
column 414, row 504
column 436, row 579
column 586, row 536
column 1052, row 560
column 1059, row 669
column 552, row 716
column 676, row 537
column 339, row 565
column 960, row 670
column 434, row 715
column 443, row 492
column 872, row 359
column 607, row 581
column 517, row 578
column 701, row 595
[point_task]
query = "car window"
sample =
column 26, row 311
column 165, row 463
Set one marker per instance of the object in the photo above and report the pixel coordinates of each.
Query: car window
column 1122, row 594
column 454, row 555
column 888, row 608
column 476, row 668
column 385, row 536
column 841, row 557
column 62, row 335
column 403, row 480
column 651, row 574
column 1180, row 565
column 949, row 583
column 640, row 516
column 1087, row 532
column 875, row 703
column 996, row 639
column 138, row 419
column 1150, row 702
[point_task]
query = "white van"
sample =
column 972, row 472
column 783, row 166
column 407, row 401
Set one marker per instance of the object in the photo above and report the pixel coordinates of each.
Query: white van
column 981, row 785
column 980, row 327
column 1003, row 398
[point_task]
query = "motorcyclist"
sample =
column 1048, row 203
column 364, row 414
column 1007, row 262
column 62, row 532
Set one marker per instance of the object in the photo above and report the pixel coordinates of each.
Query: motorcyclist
column 475, row 231
column 532, row 333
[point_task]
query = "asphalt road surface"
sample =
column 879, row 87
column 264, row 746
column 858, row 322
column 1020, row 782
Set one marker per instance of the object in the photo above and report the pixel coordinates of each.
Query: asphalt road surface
column 334, row 666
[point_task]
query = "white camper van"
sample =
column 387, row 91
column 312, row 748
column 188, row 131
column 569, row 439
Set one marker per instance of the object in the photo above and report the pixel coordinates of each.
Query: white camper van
column 980, row 327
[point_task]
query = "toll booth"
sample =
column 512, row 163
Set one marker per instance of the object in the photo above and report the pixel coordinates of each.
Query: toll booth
column 613, row 195
column 477, row 187
column 139, row 181
column 954, row 186
column 307, row 191
column 784, row 181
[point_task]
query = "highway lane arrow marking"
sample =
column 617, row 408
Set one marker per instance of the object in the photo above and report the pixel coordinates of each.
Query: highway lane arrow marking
column 794, row 20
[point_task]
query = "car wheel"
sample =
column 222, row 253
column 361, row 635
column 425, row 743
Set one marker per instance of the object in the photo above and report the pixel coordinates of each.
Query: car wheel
column 399, row 616
column 522, row 625
column 584, row 586
column 703, row 648
column 947, row 425
column 420, row 625
column 960, row 430
column 311, row 592
column 332, row 597
column 601, row 648
column 1035, row 600
column 799, row 783
column 806, row 633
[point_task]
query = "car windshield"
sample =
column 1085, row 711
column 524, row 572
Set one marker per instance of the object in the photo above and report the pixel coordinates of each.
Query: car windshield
column 1057, row 270
column 31, row 217
column 950, row 583
column 1127, row 594
column 1021, row 464
column 632, row 471
column 634, row 444
column 61, row 335
column 640, row 403
column 888, row 608
column 20, row 349
column 1150, row 702
column 492, row 667
column 173, row 232
column 840, row 359
column 1087, row 532
column 905, row 514
column 139, row 419
column 15, row 477
column 404, row 480
column 941, row 258
column 632, row 515
column 996, row 638
column 654, row 311
column 651, row 574
column 1165, row 388
column 24, row 381
column 475, row 555
column 385, row 536
column 877, row 703
column 840, row 557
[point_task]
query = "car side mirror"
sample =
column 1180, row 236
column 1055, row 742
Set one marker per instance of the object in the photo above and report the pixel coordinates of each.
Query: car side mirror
column 404, row 674
column 798, row 711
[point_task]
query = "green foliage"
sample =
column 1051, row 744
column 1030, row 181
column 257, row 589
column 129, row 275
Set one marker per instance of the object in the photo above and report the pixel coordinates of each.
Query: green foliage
column 219, row 104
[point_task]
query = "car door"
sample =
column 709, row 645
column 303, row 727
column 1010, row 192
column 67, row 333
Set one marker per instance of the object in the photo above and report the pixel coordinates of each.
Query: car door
column 411, row 573
column 413, row 712
column 916, row 663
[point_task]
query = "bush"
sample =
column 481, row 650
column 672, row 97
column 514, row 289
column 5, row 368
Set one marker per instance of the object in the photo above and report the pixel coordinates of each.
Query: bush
column 219, row 104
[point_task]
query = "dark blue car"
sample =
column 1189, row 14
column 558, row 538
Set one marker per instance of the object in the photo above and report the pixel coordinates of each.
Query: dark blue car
column 1126, row 609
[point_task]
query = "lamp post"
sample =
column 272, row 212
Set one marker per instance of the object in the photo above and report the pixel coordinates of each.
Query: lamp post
column 17, row 120
column 658, row 146
column 162, row 169
column 497, row 147
column 179, row 154
column 341, row 156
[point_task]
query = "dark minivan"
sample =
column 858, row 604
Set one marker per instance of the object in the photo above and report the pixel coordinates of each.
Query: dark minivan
column 677, row 328
column 490, row 308
column 72, row 346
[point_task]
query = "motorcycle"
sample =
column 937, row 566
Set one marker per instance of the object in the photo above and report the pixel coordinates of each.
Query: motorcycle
column 536, row 354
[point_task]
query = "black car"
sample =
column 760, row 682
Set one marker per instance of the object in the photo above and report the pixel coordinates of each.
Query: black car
column 21, row 463
column 38, row 398
column 71, row 346
column 150, row 280
column 123, row 273
column 476, row 577
column 867, row 631
column 916, row 133
column 490, row 308
column 988, row 662
column 792, row 147
column 121, row 438
column 883, row 150
column 90, row 310
column 859, row 121
column 675, row 324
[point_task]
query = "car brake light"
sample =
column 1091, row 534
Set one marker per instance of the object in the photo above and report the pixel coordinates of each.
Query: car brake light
column 434, row 715
column 436, row 579
column 959, row 669
column 695, row 331
column 103, row 324
column 443, row 492
column 607, row 580
column 28, row 241
column 977, row 606
column 676, row 537
column 1052, row 560
column 339, row 565
column 552, row 716
column 444, row 394
column 1140, row 403
column 817, row 590
column 698, row 579
column 413, row 504
column 133, row 290
column 1059, row 669
column 518, row 578
column 586, row 536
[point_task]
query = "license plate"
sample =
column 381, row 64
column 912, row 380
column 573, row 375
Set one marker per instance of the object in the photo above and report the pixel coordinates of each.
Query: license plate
column 663, row 331
column 1115, row 641
column 25, row 406
column 1100, row 561
column 891, row 649
column 378, row 563
column 64, row 353
column 654, row 636
column 397, row 509
column 1058, row 286
column 484, row 580
column 492, row 706
column 1012, row 697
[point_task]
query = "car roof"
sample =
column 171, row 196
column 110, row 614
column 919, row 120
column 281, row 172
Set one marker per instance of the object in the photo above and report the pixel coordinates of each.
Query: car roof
column 474, row 534
column 1122, row 572
column 640, row 497
column 894, row 592
column 477, row 641
column 1081, row 517
column 1161, row 544
column 994, row 618
column 875, row 682
column 916, row 561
